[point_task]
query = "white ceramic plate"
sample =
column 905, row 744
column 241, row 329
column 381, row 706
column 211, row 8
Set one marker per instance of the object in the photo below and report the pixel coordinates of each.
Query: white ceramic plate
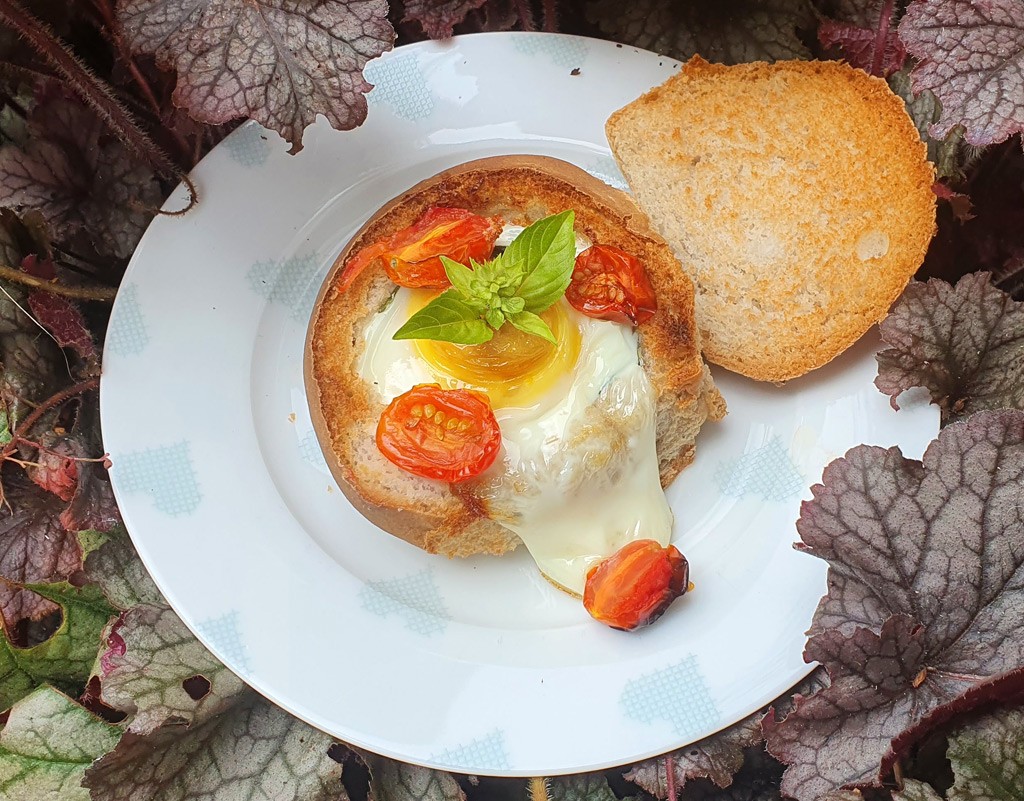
column 475, row 665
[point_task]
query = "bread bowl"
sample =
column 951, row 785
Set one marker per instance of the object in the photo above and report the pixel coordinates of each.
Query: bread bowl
column 477, row 516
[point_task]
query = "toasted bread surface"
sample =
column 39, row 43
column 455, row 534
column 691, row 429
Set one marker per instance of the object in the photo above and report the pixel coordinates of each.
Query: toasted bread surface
column 797, row 196
column 450, row 519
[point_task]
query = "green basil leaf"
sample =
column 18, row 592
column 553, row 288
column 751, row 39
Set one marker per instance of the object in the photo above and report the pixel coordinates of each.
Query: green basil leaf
column 460, row 276
column 532, row 324
column 446, row 318
column 547, row 252
column 512, row 305
column 495, row 318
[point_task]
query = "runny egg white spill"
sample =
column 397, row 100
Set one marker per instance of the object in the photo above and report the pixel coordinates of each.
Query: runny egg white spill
column 577, row 476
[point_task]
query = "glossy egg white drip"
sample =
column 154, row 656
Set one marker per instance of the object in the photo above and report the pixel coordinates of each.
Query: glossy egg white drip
column 577, row 476
column 579, row 479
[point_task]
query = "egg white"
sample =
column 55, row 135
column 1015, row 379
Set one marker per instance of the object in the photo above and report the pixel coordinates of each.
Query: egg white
column 577, row 476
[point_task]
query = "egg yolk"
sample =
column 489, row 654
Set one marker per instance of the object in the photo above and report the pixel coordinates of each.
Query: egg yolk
column 514, row 368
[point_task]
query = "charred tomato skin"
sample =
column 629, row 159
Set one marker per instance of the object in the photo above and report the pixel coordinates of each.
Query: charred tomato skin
column 634, row 586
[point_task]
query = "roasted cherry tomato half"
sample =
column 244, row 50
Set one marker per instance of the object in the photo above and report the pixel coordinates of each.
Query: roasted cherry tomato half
column 411, row 257
column 634, row 586
column 610, row 284
column 448, row 434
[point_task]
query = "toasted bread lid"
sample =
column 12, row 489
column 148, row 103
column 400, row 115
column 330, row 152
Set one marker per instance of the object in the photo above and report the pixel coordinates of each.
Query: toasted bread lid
column 797, row 195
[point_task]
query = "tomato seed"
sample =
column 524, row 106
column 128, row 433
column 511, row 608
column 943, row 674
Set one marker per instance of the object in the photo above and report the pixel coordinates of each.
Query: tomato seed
column 429, row 410
column 452, row 424
column 439, row 418
column 416, row 411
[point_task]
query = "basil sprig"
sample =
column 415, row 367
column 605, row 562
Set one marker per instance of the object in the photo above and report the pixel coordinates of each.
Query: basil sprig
column 515, row 287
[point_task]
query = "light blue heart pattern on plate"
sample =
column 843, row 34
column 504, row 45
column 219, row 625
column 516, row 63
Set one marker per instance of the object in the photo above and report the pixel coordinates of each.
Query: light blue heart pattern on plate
column 292, row 282
column 414, row 598
column 676, row 694
column 165, row 473
column 563, row 51
column 399, row 82
column 225, row 634
column 487, row 753
column 127, row 335
column 249, row 145
column 309, row 450
column 766, row 471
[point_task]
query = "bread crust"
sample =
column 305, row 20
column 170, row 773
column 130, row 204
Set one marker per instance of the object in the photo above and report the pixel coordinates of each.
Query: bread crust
column 797, row 195
column 450, row 519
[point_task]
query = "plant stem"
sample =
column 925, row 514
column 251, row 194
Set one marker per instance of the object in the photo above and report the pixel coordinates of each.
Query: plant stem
column 97, row 94
column 550, row 16
column 113, row 33
column 54, row 400
column 99, row 294
column 948, row 674
column 112, row 29
column 881, row 38
column 51, row 452
column 897, row 774
column 525, row 14
column 671, row 791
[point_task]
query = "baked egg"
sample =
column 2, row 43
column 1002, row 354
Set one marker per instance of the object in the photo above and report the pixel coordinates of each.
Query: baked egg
column 577, row 475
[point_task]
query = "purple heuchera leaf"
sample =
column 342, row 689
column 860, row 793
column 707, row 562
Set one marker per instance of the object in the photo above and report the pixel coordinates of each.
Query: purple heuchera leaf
column 32, row 365
column 252, row 750
column 971, row 55
column 500, row 15
column 64, row 320
column 925, row 595
column 959, row 203
column 79, row 178
column 34, row 547
column 117, row 569
column 962, row 343
column 150, row 655
column 873, row 47
column 391, row 780
column 758, row 780
column 717, row 758
column 93, row 505
column 439, row 18
column 861, row 13
column 55, row 470
column 280, row 62
column 727, row 32
column 993, row 240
